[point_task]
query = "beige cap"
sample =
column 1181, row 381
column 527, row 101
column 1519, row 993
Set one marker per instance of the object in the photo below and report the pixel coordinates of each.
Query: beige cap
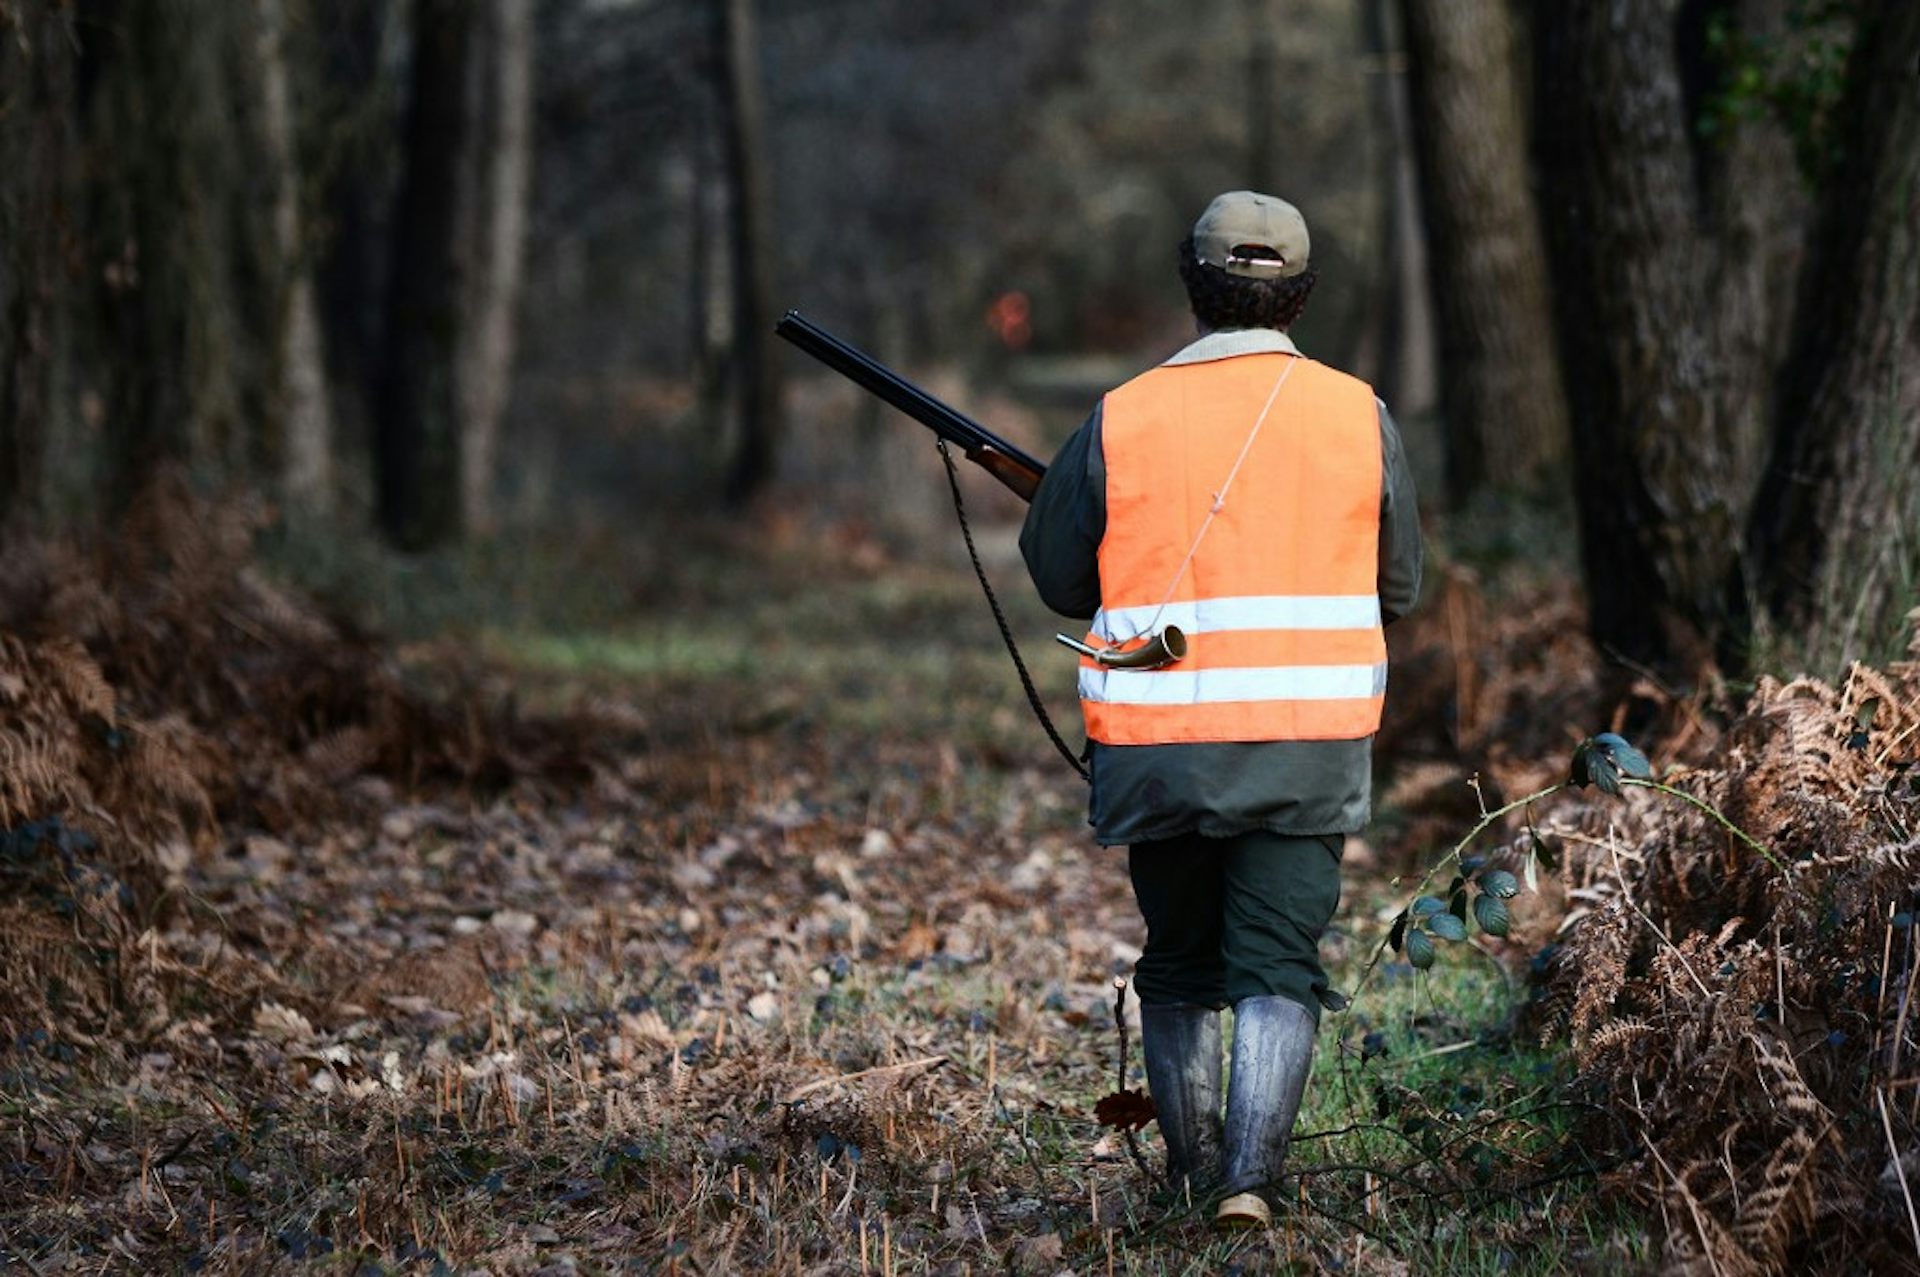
column 1252, row 235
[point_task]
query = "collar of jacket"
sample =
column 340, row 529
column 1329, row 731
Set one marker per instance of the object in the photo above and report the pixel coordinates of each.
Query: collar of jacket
column 1225, row 343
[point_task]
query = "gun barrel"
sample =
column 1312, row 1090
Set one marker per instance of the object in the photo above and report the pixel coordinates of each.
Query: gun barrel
column 879, row 380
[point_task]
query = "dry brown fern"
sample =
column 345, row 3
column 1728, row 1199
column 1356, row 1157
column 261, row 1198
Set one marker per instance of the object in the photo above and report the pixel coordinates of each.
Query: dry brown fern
column 1619, row 1046
column 1782, row 1203
column 224, row 694
column 47, row 980
column 343, row 754
column 42, row 753
column 158, row 692
column 1742, row 1025
column 164, row 779
column 1606, row 944
column 74, row 674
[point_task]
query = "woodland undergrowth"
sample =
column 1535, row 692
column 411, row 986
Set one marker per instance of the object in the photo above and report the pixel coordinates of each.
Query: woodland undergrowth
column 316, row 949
column 1730, row 977
column 1752, row 1024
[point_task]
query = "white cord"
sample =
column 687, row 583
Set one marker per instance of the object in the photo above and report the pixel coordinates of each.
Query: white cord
column 1220, row 497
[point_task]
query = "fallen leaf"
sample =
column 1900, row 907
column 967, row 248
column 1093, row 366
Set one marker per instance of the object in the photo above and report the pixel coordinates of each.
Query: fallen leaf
column 921, row 941
column 278, row 1023
column 515, row 923
column 1037, row 1254
column 1126, row 1110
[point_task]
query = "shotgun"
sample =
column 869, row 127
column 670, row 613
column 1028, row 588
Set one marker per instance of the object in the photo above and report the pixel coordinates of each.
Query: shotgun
column 1002, row 460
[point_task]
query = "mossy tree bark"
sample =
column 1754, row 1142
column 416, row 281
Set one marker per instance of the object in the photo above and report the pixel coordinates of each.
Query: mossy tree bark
column 1633, row 271
column 1675, row 249
column 1835, row 536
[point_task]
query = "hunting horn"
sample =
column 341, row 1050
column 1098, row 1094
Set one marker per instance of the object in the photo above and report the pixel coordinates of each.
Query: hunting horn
column 1168, row 646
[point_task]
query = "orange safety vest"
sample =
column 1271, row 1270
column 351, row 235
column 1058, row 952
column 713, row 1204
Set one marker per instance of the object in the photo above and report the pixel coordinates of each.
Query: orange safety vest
column 1280, row 604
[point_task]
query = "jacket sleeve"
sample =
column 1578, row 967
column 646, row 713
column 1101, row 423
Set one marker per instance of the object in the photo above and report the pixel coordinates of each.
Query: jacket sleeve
column 1061, row 538
column 1400, row 550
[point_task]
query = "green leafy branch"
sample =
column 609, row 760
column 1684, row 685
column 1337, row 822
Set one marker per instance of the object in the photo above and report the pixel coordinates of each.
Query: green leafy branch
column 1745, row 837
column 1416, row 929
column 1477, row 890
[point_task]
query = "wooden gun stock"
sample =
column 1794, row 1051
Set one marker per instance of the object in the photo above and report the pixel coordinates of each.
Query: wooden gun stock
column 1020, row 480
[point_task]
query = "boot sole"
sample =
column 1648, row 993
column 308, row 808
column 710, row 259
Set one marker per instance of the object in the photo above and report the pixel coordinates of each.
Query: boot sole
column 1243, row 1211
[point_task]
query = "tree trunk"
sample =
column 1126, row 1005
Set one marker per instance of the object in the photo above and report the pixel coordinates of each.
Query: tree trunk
column 417, row 456
column 709, row 280
column 503, row 155
column 36, row 134
column 166, row 208
column 356, row 199
column 1757, row 202
column 754, row 365
column 1385, row 346
column 297, row 396
column 1501, row 401
column 1835, row 535
column 1652, row 448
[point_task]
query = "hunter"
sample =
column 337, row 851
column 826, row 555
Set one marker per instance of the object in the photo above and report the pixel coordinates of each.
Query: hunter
column 1260, row 503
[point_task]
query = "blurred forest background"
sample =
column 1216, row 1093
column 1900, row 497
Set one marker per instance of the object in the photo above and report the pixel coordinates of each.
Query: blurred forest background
column 464, row 269
column 502, row 760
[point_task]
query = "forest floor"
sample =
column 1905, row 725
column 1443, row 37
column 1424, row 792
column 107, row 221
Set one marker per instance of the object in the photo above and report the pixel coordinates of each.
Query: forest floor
column 813, row 969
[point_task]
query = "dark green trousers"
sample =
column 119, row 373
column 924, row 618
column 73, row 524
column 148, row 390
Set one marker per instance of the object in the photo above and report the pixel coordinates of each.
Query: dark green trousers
column 1234, row 918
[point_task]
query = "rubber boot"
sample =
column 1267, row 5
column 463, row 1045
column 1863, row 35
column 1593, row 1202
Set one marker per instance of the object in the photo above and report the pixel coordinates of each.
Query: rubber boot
column 1272, row 1055
column 1182, row 1045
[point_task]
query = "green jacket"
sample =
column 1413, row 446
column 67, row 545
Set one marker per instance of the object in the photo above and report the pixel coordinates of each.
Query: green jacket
column 1142, row 793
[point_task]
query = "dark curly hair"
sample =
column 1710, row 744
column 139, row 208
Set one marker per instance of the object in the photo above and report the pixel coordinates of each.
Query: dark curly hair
column 1221, row 300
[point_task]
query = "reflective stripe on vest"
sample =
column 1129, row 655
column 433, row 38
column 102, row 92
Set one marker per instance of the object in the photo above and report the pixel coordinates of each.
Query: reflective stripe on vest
column 1280, row 605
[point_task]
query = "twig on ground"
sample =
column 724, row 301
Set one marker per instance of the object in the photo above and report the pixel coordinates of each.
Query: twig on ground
column 1886, row 962
column 1449, row 1049
column 922, row 1065
column 166, row 1159
column 1626, row 894
column 1880, row 760
column 1906, row 1005
column 1120, row 1076
column 1693, row 1206
column 1033, row 1162
column 1886, row 1124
